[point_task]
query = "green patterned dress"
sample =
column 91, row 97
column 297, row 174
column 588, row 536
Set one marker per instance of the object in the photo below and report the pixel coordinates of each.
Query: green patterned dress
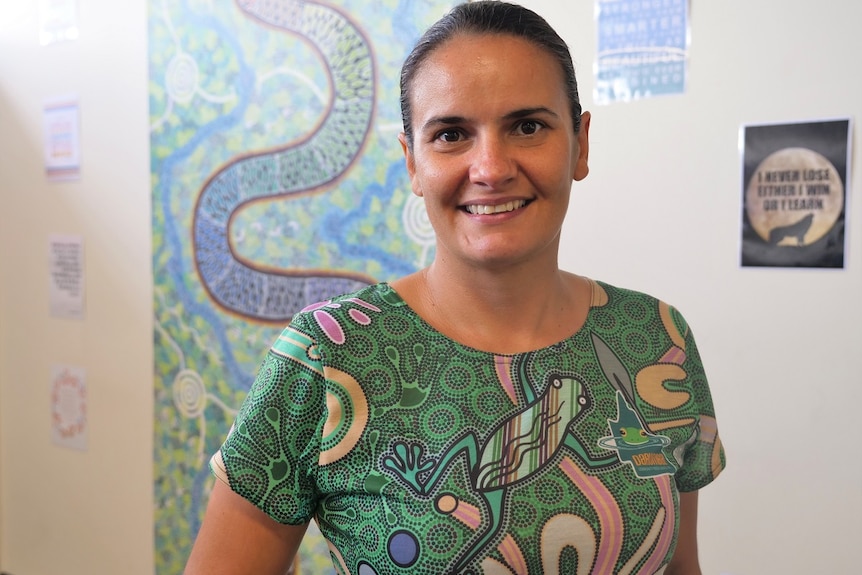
column 417, row 454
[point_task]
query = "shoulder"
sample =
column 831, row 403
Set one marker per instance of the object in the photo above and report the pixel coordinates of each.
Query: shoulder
column 618, row 293
column 371, row 297
column 633, row 305
column 608, row 295
column 331, row 318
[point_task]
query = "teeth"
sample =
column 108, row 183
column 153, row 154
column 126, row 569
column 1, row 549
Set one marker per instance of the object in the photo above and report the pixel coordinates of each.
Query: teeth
column 498, row 209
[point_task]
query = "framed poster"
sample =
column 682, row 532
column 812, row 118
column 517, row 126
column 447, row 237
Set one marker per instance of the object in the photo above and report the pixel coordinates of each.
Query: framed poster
column 794, row 182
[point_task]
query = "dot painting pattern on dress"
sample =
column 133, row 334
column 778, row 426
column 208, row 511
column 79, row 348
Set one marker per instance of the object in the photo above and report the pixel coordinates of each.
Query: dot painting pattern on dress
column 414, row 451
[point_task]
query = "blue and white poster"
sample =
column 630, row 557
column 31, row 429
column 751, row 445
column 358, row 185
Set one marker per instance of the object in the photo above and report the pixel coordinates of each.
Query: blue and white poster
column 642, row 49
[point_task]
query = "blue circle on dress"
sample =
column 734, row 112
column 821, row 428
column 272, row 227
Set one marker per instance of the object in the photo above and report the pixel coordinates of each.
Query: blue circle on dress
column 403, row 548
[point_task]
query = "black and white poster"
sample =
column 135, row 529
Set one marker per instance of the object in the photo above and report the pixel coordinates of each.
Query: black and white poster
column 794, row 189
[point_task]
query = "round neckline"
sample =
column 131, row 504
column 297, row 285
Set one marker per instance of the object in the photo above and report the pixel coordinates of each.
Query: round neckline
column 402, row 303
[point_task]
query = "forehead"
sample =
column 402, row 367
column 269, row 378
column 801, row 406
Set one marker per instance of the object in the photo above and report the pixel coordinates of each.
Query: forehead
column 490, row 66
column 492, row 59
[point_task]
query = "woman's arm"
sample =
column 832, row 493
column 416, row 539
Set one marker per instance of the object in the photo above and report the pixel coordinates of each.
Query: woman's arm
column 237, row 538
column 685, row 561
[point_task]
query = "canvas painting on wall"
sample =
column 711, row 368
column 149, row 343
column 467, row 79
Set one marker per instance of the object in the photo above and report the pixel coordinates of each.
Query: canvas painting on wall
column 278, row 181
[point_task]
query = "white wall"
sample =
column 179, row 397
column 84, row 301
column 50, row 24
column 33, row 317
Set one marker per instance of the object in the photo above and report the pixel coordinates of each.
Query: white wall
column 65, row 511
column 783, row 348
column 659, row 212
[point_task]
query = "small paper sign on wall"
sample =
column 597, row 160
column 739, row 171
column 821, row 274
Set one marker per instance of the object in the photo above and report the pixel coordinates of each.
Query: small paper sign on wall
column 58, row 20
column 69, row 407
column 66, row 276
column 62, row 139
column 794, row 188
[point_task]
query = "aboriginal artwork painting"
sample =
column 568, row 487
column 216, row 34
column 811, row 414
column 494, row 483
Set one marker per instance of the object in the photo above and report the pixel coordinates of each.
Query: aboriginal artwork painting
column 277, row 181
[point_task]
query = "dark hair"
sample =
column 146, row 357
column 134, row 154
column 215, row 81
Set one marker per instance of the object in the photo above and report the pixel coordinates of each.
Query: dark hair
column 489, row 17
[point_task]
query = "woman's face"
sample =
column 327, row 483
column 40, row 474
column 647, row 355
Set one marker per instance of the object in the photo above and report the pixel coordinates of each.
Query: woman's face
column 494, row 151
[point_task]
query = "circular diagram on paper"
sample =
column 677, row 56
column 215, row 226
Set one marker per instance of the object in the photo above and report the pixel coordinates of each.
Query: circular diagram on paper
column 68, row 405
column 794, row 197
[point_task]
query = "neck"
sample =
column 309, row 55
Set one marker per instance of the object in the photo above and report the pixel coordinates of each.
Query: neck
column 488, row 290
column 504, row 311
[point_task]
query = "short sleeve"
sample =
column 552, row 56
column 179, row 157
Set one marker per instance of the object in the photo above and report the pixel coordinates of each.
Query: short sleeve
column 270, row 455
column 704, row 458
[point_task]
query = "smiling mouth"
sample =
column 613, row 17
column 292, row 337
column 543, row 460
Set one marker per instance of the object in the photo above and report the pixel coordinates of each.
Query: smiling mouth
column 481, row 210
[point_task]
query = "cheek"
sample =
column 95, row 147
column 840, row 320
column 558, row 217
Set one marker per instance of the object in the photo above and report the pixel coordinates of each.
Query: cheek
column 433, row 215
column 557, row 174
column 567, row 175
column 430, row 182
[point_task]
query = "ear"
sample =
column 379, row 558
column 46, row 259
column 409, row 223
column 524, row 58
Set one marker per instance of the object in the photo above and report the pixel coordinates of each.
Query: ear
column 410, row 162
column 582, row 167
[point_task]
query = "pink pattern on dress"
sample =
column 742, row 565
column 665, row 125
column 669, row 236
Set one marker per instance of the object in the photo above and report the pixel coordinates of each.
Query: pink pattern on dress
column 608, row 511
column 359, row 317
column 503, row 366
column 656, row 560
column 329, row 326
column 321, row 304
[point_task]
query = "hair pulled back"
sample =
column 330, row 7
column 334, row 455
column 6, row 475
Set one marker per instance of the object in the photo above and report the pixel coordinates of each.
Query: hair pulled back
column 488, row 17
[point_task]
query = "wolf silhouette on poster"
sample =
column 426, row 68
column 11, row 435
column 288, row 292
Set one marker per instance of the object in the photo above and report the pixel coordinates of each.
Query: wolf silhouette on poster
column 796, row 230
column 277, row 181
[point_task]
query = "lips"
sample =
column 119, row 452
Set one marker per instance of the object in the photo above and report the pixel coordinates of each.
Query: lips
column 478, row 209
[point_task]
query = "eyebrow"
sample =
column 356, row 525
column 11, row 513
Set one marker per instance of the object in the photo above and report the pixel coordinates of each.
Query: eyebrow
column 523, row 113
column 514, row 115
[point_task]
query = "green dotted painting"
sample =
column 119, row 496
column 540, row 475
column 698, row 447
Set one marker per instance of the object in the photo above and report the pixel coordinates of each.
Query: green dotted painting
column 277, row 181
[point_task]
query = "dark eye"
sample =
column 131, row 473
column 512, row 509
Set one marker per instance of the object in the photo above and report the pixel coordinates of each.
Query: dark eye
column 449, row 136
column 623, row 432
column 529, row 127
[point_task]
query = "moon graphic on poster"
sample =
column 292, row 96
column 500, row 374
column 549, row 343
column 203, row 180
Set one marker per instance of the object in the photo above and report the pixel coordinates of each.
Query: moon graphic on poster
column 794, row 197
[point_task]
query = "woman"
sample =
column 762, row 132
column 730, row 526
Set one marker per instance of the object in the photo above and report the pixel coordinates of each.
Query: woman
column 490, row 413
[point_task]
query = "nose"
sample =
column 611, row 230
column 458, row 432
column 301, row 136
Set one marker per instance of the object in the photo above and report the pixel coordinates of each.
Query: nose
column 492, row 163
